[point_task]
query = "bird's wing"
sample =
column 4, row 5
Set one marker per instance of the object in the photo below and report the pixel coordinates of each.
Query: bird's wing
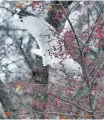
column 45, row 36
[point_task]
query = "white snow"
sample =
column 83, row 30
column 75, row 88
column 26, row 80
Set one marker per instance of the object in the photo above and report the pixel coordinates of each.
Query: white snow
column 12, row 67
column 16, row 17
column 8, row 41
column 1, row 1
column 2, row 76
column 7, row 5
column 1, row 21
column 26, row 39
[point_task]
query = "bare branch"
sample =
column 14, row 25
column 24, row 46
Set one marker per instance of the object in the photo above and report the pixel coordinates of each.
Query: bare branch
column 71, row 26
column 67, row 101
column 88, row 40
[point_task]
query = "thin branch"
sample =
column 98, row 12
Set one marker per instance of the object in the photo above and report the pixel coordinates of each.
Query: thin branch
column 24, row 105
column 67, row 101
column 82, row 55
column 88, row 40
column 93, row 81
column 83, row 65
column 12, row 94
column 60, row 113
column 47, row 112
column 71, row 26
column 102, row 65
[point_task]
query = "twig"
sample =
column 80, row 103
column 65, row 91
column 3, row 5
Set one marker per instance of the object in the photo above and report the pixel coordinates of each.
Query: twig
column 62, row 113
column 93, row 81
column 97, row 72
column 67, row 101
column 88, row 40
column 47, row 112
column 71, row 26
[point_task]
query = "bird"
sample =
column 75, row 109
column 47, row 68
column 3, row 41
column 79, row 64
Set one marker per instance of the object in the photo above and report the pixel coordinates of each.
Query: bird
column 51, row 49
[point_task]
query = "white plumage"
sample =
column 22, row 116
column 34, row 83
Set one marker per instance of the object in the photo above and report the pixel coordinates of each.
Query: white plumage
column 48, row 42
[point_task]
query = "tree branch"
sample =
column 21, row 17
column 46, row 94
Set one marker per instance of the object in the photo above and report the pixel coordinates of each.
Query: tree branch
column 71, row 26
column 88, row 40
column 67, row 101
